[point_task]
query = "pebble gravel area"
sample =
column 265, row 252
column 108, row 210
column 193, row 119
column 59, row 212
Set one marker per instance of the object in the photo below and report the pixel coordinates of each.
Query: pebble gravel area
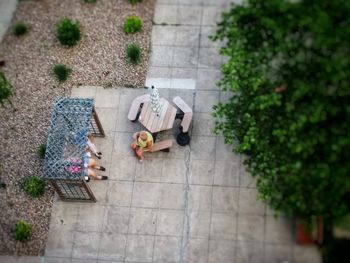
column 98, row 59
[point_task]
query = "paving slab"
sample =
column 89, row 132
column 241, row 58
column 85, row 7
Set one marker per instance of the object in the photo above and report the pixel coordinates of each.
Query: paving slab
column 199, row 198
column 145, row 195
column 143, row 221
column 172, row 196
column 197, row 251
column 170, row 222
column 116, row 220
column 201, row 172
column 209, row 58
column 221, row 251
column 248, row 203
column 167, row 249
column 187, row 36
column 139, row 248
column 225, row 199
column 226, row 173
column 112, row 246
column 252, row 252
column 199, row 222
column 189, row 15
column 223, row 226
column 278, row 253
column 250, row 228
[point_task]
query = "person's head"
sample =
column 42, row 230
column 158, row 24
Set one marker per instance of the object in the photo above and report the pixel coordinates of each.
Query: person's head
column 143, row 136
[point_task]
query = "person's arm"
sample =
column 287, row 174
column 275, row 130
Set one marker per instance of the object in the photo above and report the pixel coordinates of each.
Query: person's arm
column 149, row 145
column 136, row 137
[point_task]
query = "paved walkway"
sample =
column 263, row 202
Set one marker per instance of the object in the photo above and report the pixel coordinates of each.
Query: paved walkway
column 194, row 204
column 7, row 7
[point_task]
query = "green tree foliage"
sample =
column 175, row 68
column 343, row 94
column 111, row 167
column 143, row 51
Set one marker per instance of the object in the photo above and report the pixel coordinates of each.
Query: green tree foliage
column 288, row 69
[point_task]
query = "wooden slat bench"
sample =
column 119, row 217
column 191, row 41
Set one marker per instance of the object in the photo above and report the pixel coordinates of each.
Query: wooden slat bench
column 136, row 105
column 188, row 113
column 162, row 146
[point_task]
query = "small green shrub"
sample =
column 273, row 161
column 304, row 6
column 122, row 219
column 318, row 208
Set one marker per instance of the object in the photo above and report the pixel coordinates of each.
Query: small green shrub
column 133, row 53
column 61, row 72
column 22, row 230
column 68, row 32
column 90, row 1
column 34, row 186
column 134, row 2
column 2, row 185
column 132, row 24
column 5, row 88
column 20, row 28
column 42, row 151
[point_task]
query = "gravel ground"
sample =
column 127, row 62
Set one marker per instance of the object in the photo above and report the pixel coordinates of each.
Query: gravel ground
column 98, row 59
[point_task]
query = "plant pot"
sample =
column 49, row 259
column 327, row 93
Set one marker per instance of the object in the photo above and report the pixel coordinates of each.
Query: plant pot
column 303, row 236
column 306, row 236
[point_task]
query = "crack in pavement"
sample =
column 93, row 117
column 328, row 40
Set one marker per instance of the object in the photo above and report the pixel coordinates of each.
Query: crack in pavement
column 187, row 225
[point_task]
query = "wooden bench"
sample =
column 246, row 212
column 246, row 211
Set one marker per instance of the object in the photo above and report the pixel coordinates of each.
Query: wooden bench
column 136, row 105
column 162, row 146
column 188, row 113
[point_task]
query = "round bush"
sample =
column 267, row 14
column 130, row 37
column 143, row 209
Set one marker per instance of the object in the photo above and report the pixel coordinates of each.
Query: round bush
column 34, row 186
column 68, row 32
column 132, row 24
column 61, row 72
column 22, row 230
column 42, row 151
column 90, row 1
column 133, row 53
column 20, row 29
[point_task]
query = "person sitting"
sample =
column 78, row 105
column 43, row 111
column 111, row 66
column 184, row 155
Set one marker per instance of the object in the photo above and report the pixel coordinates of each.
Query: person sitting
column 90, row 165
column 143, row 142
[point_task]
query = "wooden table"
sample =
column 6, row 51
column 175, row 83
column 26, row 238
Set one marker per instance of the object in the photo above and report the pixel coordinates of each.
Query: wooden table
column 158, row 122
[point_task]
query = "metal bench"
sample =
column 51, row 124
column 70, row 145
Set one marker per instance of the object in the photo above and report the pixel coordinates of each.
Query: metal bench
column 136, row 105
column 162, row 146
column 186, row 115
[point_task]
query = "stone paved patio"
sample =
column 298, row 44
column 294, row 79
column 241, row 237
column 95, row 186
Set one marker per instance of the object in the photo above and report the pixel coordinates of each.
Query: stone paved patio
column 194, row 204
